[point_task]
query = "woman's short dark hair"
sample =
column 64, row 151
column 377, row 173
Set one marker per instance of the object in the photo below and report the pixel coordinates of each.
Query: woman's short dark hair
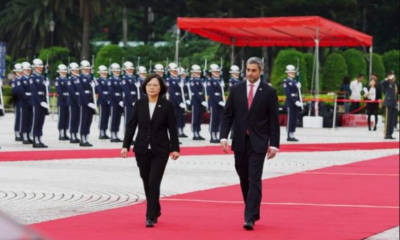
column 164, row 87
column 346, row 80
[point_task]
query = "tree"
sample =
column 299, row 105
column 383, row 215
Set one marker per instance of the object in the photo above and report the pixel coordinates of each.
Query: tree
column 355, row 62
column 335, row 70
column 112, row 53
column 391, row 61
column 377, row 66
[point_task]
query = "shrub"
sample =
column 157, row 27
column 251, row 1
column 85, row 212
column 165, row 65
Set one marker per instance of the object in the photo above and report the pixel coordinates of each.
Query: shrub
column 335, row 70
column 391, row 61
column 356, row 63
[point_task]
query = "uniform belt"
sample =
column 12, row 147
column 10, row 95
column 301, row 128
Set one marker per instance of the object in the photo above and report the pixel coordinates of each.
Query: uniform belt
column 177, row 94
column 40, row 93
column 117, row 94
column 28, row 94
column 294, row 95
column 133, row 93
column 105, row 93
column 66, row 94
column 218, row 94
column 77, row 94
column 87, row 92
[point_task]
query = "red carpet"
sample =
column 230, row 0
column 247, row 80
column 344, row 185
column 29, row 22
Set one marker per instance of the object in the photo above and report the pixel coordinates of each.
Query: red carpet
column 187, row 151
column 353, row 201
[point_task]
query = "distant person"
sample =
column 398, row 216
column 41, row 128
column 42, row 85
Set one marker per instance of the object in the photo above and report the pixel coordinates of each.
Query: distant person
column 372, row 93
column 356, row 88
column 345, row 87
column 391, row 91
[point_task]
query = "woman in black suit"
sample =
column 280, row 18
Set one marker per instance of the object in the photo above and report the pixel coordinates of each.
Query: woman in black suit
column 373, row 93
column 154, row 116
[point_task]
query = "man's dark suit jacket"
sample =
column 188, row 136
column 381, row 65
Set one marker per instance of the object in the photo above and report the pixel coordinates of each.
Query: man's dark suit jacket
column 154, row 131
column 261, row 121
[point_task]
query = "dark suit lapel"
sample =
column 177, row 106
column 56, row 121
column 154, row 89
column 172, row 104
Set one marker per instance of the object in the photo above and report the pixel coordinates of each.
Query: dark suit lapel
column 258, row 96
column 158, row 108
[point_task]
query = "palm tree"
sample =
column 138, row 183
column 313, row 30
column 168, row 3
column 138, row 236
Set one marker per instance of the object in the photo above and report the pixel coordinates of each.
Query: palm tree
column 26, row 25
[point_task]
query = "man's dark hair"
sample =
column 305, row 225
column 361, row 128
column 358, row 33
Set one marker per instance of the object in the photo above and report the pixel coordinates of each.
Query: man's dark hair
column 376, row 75
column 346, row 80
column 164, row 87
column 360, row 75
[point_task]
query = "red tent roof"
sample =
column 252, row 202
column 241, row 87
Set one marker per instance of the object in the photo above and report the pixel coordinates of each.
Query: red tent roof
column 277, row 31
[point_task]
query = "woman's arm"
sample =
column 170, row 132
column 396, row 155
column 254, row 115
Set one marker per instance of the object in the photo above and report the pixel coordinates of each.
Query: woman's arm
column 131, row 128
column 172, row 130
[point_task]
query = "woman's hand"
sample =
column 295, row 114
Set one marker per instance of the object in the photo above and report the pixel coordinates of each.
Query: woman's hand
column 175, row 156
column 124, row 153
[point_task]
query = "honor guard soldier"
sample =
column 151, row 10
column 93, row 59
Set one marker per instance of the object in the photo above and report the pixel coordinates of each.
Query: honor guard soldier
column 293, row 102
column 216, row 102
column 14, row 88
column 85, row 85
column 117, row 104
column 39, row 101
column 130, row 90
column 142, row 74
column 175, row 95
column 185, row 85
column 235, row 76
column 103, row 102
column 62, row 102
column 159, row 70
column 24, row 95
column 73, row 102
column 198, row 102
column 391, row 91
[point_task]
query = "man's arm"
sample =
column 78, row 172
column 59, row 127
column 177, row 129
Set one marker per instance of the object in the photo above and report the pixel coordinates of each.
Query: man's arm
column 227, row 118
column 274, row 127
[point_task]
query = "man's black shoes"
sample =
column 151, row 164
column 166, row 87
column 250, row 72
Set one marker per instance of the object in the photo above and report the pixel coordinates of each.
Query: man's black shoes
column 150, row 223
column 249, row 226
column 292, row 140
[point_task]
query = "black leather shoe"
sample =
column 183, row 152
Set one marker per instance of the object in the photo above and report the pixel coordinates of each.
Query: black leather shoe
column 198, row 139
column 375, row 129
column 85, row 144
column 40, row 145
column 116, row 140
column 19, row 139
column 105, row 137
column 390, row 138
column 133, row 143
column 63, row 139
column 292, row 140
column 249, row 226
column 214, row 141
column 75, row 141
column 43, row 146
column 26, row 142
column 182, row 136
column 150, row 223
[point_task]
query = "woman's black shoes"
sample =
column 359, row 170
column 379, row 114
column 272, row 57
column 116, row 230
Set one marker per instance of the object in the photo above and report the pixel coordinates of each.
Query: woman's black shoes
column 150, row 223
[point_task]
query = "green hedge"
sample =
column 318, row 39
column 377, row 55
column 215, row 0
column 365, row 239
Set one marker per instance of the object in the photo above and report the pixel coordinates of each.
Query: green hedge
column 113, row 52
column 284, row 58
column 391, row 61
column 57, row 56
column 334, row 71
column 356, row 63
column 378, row 67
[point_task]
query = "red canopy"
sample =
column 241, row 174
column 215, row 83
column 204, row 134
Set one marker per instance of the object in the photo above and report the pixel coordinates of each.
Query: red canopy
column 277, row 31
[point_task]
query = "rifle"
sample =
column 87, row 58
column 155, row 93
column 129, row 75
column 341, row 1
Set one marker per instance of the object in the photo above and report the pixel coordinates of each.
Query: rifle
column 95, row 83
column 205, row 81
column 151, row 66
column 188, row 81
column 47, row 79
column 165, row 69
column 137, row 84
column 2, row 110
column 243, row 71
column 222, row 82
column 122, row 66
column 298, row 80
column 109, row 68
column 68, row 70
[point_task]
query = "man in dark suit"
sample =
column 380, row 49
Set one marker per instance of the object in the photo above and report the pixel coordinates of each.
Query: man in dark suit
column 391, row 91
column 256, row 134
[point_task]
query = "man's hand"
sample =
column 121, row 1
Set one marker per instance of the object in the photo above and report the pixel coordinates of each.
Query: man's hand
column 44, row 105
column 124, row 153
column 299, row 104
column 224, row 145
column 271, row 153
column 92, row 105
column 204, row 104
column 182, row 105
column 121, row 104
column 222, row 104
column 175, row 156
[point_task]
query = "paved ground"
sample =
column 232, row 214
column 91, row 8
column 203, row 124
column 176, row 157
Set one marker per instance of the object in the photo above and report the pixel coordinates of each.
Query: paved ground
column 33, row 192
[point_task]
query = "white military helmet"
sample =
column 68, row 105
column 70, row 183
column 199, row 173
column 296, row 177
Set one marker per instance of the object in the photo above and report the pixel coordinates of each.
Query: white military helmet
column 115, row 67
column 234, row 69
column 214, row 68
column 18, row 68
column 85, row 64
column 62, row 68
column 181, row 71
column 128, row 65
column 158, row 67
column 290, row 69
column 73, row 66
column 195, row 69
column 37, row 63
column 102, row 69
column 172, row 67
column 26, row 66
column 142, row 70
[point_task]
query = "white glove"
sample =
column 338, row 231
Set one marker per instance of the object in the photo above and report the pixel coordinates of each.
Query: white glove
column 182, row 105
column 222, row 104
column 298, row 85
column 91, row 105
column 1, row 107
column 299, row 104
column 188, row 102
column 44, row 104
column 47, row 83
column 92, row 84
column 137, row 85
column 121, row 104
column 222, row 84
column 133, row 104
column 204, row 104
column 181, row 84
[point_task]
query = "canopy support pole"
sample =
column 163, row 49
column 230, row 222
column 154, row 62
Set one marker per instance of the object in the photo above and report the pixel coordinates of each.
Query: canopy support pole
column 178, row 33
column 371, row 60
column 317, row 75
column 233, row 52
